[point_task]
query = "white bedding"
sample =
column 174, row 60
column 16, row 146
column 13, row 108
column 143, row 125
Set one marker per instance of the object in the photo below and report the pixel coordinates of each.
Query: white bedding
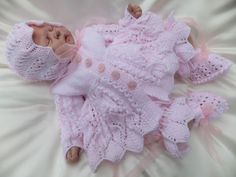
column 29, row 134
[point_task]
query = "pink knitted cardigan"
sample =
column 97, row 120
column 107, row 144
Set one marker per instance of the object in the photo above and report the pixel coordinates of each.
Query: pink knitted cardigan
column 104, row 103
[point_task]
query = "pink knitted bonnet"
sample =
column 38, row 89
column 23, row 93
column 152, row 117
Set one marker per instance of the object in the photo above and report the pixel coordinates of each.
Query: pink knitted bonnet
column 29, row 60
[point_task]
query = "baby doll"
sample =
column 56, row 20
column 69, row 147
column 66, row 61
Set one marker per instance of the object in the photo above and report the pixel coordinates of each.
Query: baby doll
column 113, row 82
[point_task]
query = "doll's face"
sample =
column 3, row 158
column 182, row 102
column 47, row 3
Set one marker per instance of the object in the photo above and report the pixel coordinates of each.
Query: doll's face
column 51, row 35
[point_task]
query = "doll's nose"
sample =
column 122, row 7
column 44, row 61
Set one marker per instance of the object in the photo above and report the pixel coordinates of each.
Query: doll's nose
column 57, row 34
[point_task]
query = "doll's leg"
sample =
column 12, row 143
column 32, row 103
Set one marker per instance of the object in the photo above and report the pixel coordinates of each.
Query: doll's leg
column 175, row 126
column 204, row 66
column 181, row 115
column 206, row 105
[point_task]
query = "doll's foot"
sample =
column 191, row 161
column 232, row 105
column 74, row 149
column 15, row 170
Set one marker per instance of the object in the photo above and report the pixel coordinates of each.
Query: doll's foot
column 208, row 105
column 72, row 156
column 208, row 68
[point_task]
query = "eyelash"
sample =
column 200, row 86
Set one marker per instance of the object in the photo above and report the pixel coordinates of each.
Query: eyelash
column 51, row 29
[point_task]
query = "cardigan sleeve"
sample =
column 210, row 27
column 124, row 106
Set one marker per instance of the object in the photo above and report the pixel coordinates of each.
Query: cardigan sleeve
column 69, row 109
column 127, row 19
column 109, row 31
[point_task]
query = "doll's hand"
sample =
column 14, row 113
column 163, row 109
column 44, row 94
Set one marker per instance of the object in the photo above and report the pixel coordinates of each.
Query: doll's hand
column 72, row 154
column 135, row 10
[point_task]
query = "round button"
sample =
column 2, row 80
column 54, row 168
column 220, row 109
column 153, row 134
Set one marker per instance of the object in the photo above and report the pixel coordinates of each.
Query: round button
column 88, row 62
column 132, row 85
column 101, row 67
column 115, row 75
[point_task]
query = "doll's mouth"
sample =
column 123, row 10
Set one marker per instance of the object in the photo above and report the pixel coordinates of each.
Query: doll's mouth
column 69, row 39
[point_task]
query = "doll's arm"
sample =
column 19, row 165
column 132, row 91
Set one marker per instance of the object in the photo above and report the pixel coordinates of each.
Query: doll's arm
column 131, row 14
column 68, row 109
column 109, row 31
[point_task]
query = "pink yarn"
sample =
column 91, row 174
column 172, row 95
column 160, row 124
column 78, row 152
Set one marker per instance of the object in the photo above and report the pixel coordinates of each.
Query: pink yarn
column 116, row 98
column 144, row 53
column 29, row 60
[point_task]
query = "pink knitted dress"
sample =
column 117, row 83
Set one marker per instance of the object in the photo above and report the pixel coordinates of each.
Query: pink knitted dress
column 119, row 89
